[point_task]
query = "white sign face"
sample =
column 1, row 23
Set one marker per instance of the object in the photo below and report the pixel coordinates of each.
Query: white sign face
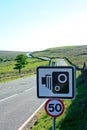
column 54, row 107
column 56, row 82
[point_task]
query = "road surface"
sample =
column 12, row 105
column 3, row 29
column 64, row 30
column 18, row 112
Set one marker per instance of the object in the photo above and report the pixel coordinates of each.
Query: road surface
column 61, row 62
column 18, row 101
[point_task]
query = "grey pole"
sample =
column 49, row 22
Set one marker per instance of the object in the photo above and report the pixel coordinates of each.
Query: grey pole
column 54, row 123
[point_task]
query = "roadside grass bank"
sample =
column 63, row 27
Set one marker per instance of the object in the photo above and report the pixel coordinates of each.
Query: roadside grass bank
column 75, row 113
column 7, row 71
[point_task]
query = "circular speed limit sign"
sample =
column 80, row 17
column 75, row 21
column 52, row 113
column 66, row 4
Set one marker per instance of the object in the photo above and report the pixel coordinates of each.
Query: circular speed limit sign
column 54, row 107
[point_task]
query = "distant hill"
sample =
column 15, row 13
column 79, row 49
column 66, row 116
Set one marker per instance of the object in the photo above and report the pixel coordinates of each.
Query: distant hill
column 77, row 54
column 10, row 55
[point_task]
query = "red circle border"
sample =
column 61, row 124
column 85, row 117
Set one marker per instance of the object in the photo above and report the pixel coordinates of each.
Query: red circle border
column 51, row 114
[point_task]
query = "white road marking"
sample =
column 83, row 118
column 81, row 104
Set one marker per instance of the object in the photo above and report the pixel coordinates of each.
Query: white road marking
column 28, row 120
column 4, row 99
column 29, row 89
column 8, row 97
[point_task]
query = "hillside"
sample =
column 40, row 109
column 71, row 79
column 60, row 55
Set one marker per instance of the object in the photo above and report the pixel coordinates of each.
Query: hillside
column 71, row 52
column 10, row 55
column 7, row 64
column 76, row 54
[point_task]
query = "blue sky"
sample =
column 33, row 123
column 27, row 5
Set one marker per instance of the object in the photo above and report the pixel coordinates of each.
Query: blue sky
column 31, row 25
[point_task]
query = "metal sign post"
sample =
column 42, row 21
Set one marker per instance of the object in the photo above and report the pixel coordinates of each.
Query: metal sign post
column 54, row 123
column 57, row 83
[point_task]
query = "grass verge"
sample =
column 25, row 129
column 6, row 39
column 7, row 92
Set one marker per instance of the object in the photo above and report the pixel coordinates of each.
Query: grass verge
column 75, row 115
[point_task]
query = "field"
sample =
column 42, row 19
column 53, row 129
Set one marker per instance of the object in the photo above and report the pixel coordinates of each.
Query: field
column 9, row 55
column 77, row 55
column 7, row 71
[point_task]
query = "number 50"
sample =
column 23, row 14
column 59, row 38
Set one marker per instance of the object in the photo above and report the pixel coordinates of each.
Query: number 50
column 54, row 107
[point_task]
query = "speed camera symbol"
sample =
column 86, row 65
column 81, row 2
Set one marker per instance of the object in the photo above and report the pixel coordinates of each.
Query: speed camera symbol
column 60, row 82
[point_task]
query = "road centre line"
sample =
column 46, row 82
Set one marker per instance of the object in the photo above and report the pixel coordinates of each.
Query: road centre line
column 8, row 97
column 29, row 89
column 4, row 99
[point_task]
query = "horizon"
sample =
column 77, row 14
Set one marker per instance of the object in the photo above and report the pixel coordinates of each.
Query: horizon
column 44, row 49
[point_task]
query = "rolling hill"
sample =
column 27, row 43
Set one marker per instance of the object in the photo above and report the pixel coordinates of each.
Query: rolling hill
column 10, row 55
column 76, row 54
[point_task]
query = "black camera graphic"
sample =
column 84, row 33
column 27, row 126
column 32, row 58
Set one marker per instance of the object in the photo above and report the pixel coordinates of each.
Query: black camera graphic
column 58, row 82
column 47, row 81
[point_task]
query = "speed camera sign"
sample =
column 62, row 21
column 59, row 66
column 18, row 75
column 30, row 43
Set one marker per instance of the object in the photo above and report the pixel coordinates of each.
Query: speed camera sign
column 56, row 82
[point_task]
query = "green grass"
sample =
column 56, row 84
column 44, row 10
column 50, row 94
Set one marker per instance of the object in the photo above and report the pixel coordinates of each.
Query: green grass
column 7, row 72
column 76, row 54
column 10, row 55
column 74, row 116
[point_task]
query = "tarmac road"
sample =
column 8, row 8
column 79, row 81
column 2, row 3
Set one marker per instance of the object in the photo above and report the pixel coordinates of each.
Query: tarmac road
column 18, row 101
column 61, row 62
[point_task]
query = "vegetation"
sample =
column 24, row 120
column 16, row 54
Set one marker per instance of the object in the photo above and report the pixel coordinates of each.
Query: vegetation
column 21, row 62
column 7, row 71
column 9, row 55
column 75, row 113
column 76, row 54
column 7, row 60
